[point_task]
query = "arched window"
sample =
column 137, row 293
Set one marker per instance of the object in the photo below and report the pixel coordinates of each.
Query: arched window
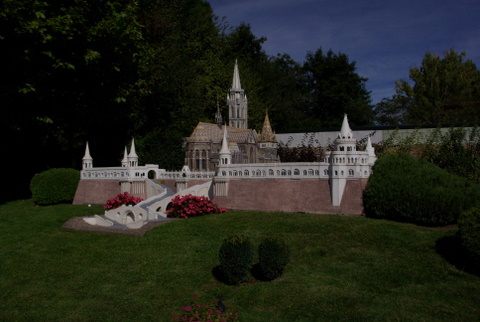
column 296, row 172
column 246, row 173
column 284, row 172
column 350, row 172
column 271, row 172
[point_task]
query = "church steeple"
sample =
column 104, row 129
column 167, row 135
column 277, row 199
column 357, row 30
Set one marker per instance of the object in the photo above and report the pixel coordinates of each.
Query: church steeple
column 267, row 134
column 237, row 102
column 236, row 78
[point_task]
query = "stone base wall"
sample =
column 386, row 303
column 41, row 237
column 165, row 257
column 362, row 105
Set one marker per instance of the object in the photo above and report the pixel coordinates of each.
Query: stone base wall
column 96, row 192
column 310, row 196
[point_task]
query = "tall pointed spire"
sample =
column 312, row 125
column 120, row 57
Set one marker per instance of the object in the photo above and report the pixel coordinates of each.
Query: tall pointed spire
column 237, row 102
column 87, row 159
column 236, row 78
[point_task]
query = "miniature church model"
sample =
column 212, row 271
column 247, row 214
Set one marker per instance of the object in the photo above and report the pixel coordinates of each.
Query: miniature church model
column 205, row 145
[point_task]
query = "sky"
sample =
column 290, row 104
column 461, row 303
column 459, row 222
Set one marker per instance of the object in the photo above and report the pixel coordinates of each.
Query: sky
column 384, row 37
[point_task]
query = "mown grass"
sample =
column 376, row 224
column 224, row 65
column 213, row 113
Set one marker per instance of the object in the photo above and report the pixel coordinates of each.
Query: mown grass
column 342, row 268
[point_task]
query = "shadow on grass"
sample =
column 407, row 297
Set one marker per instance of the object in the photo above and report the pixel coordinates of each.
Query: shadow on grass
column 450, row 248
column 256, row 273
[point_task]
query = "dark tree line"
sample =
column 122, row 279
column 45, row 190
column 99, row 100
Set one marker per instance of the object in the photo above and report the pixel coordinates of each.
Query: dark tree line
column 104, row 72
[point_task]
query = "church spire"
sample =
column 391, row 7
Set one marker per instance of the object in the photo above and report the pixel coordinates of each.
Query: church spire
column 236, row 78
column 237, row 102
column 267, row 134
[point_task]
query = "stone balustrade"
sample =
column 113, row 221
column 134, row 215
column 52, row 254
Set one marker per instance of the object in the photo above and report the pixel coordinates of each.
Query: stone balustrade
column 303, row 170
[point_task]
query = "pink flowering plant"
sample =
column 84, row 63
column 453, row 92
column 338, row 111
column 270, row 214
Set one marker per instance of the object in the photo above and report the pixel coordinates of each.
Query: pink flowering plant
column 122, row 199
column 192, row 206
column 214, row 311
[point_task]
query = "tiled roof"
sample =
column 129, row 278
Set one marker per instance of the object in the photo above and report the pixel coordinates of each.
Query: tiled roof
column 206, row 132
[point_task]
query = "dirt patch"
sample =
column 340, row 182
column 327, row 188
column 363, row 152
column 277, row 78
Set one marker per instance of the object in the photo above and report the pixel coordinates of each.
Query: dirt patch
column 77, row 223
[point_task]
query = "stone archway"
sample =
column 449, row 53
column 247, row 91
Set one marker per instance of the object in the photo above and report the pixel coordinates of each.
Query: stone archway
column 152, row 174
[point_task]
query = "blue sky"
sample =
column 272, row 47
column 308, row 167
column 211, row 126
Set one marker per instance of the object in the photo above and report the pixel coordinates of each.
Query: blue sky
column 385, row 38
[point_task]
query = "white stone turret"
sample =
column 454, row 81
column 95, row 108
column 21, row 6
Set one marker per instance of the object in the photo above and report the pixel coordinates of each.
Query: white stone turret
column 132, row 157
column 125, row 159
column 371, row 152
column 343, row 161
column 87, row 161
column 225, row 154
column 237, row 102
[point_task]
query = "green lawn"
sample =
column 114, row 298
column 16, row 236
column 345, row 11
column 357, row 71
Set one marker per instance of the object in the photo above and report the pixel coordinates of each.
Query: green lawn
column 342, row 268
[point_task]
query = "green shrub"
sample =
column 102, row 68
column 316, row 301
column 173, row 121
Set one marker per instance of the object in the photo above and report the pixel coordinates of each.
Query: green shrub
column 54, row 186
column 404, row 188
column 469, row 231
column 273, row 256
column 236, row 258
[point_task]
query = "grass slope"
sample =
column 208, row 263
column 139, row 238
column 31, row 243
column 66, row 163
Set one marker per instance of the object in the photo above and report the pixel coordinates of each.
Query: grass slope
column 341, row 268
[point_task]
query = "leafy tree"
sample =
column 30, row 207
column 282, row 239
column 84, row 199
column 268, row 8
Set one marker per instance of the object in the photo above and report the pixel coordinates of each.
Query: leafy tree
column 336, row 89
column 445, row 91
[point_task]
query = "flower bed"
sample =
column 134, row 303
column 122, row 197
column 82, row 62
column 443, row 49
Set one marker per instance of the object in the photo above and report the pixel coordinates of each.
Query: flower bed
column 122, row 199
column 192, row 206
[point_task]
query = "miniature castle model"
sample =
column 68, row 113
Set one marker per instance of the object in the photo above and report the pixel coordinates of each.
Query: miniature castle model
column 246, row 146
column 236, row 168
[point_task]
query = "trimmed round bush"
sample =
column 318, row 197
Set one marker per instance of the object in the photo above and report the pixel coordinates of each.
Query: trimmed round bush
column 273, row 256
column 236, row 258
column 54, row 186
column 404, row 188
column 469, row 232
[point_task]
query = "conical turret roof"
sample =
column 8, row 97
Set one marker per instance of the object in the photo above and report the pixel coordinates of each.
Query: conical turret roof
column 225, row 149
column 133, row 153
column 345, row 131
column 87, row 154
